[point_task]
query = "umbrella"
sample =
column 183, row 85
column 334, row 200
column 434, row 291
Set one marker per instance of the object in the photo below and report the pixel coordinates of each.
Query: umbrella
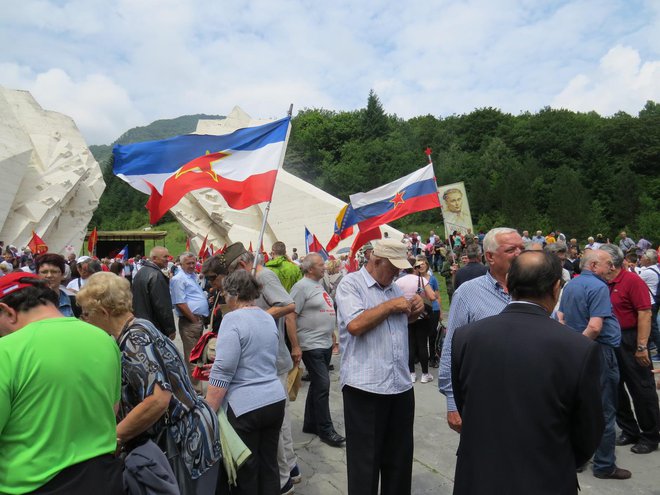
column 344, row 250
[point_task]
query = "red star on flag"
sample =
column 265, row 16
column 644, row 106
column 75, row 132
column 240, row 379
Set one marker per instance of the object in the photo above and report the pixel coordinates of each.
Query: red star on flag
column 398, row 199
column 203, row 164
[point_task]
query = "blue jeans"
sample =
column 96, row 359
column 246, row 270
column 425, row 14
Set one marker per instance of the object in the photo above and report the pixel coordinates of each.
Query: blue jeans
column 604, row 458
column 317, row 406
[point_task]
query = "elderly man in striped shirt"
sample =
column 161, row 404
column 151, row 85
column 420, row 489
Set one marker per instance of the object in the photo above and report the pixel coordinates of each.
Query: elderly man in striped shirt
column 477, row 299
column 379, row 403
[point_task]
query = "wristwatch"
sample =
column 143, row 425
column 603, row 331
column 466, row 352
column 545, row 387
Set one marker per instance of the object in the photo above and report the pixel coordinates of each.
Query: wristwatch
column 641, row 348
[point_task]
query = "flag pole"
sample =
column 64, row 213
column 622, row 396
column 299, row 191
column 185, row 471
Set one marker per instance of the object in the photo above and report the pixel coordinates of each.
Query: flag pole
column 267, row 210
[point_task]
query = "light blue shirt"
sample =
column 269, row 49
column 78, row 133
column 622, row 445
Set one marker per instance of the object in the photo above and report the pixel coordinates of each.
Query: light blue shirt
column 585, row 297
column 245, row 362
column 377, row 360
column 474, row 300
column 184, row 288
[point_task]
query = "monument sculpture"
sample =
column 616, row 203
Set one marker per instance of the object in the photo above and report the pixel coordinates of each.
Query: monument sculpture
column 51, row 183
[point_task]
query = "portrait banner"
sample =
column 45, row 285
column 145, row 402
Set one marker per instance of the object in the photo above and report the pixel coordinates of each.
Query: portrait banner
column 455, row 208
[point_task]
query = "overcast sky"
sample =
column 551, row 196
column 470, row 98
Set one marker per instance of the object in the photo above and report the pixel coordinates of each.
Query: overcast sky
column 113, row 65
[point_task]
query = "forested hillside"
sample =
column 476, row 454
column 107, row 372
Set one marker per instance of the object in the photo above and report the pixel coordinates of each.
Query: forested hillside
column 581, row 173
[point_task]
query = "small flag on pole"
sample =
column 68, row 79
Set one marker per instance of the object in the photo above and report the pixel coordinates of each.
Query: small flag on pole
column 123, row 254
column 91, row 241
column 37, row 245
column 312, row 245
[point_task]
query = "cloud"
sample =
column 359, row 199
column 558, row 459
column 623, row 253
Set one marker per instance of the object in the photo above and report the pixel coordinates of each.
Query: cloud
column 99, row 106
column 620, row 82
column 115, row 65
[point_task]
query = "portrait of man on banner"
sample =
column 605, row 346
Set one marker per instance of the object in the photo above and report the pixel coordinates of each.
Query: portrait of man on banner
column 455, row 208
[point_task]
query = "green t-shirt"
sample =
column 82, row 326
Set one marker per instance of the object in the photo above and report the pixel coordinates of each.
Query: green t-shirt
column 59, row 381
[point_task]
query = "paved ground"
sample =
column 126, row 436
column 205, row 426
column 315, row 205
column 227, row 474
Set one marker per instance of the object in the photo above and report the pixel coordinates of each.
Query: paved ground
column 324, row 468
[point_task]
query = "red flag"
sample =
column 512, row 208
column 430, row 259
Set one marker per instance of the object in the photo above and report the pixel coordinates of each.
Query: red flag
column 202, row 252
column 211, row 249
column 250, row 248
column 352, row 265
column 223, row 248
column 363, row 237
column 37, row 245
column 92, row 240
column 187, row 243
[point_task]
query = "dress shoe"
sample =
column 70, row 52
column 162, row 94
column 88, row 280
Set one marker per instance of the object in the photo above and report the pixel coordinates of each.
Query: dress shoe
column 617, row 474
column 625, row 440
column 643, row 448
column 334, row 439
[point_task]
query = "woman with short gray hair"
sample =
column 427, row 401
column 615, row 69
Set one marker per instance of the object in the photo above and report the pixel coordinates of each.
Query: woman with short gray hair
column 243, row 380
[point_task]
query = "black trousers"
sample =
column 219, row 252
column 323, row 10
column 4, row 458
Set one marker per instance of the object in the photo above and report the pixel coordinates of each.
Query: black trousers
column 418, row 333
column 433, row 335
column 639, row 382
column 260, row 431
column 100, row 475
column 317, row 405
column 379, row 441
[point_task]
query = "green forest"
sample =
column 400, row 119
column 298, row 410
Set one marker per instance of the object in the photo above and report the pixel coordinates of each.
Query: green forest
column 555, row 169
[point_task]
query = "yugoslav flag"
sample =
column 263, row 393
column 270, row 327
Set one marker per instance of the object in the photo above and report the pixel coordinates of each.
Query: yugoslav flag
column 312, row 245
column 241, row 166
column 123, row 254
column 412, row 193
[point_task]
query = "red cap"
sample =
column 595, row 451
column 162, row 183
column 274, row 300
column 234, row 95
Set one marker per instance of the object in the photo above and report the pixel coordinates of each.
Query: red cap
column 11, row 283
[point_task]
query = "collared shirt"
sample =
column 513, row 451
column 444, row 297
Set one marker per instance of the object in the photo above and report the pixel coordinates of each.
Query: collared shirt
column 65, row 306
column 474, row 300
column 629, row 294
column 377, row 360
column 184, row 288
column 585, row 297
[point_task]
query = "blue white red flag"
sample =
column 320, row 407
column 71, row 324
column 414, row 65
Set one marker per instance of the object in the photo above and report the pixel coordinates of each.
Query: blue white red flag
column 123, row 254
column 241, row 166
column 312, row 245
column 414, row 192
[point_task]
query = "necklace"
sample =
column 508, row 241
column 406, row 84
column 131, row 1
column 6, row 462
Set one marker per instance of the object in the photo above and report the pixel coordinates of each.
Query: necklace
column 127, row 324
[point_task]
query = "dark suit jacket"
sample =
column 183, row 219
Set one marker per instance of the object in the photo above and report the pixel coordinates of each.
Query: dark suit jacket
column 528, row 391
column 151, row 298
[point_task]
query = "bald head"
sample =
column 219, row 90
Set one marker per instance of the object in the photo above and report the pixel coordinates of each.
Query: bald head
column 533, row 276
column 159, row 255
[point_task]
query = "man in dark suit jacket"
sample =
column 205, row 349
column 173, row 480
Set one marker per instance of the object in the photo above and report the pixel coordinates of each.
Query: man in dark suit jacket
column 151, row 292
column 528, row 391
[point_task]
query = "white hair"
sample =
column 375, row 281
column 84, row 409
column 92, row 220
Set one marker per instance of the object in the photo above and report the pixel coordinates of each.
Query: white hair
column 490, row 241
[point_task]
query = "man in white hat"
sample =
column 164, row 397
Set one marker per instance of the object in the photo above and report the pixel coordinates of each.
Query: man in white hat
column 379, row 404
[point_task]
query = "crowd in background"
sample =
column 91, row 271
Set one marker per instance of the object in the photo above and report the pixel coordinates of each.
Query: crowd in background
column 265, row 325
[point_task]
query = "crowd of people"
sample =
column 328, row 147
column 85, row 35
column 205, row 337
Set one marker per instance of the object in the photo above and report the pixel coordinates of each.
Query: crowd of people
column 572, row 325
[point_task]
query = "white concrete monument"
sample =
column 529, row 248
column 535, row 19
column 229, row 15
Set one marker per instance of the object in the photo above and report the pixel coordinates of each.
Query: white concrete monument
column 49, row 180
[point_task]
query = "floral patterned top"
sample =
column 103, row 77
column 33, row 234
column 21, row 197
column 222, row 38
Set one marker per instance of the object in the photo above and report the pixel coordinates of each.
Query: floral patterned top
column 150, row 358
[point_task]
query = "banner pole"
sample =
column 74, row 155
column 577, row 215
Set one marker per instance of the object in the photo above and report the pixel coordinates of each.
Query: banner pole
column 258, row 256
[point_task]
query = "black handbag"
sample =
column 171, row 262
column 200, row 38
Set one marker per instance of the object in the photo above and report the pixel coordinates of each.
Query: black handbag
column 428, row 309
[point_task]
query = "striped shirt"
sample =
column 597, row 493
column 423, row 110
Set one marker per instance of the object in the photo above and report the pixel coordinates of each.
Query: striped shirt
column 474, row 300
column 377, row 360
